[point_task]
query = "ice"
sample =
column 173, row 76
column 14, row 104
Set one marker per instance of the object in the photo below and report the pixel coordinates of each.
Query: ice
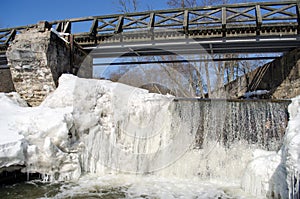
column 100, row 128
column 12, row 142
column 291, row 152
column 63, row 95
column 277, row 175
column 37, row 138
column 259, row 172
column 65, row 135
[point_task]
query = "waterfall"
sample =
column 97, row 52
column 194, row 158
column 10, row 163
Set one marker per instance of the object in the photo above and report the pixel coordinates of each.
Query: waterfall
column 97, row 128
column 141, row 133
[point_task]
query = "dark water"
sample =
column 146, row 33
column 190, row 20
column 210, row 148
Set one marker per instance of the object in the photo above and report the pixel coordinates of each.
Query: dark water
column 35, row 189
column 31, row 189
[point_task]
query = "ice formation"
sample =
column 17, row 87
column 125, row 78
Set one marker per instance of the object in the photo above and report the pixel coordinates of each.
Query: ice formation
column 277, row 175
column 100, row 127
column 37, row 138
column 77, row 122
column 258, row 176
column 289, row 168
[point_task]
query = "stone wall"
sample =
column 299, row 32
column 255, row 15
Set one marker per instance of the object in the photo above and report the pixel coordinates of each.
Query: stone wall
column 290, row 87
column 280, row 77
column 6, row 84
column 37, row 58
column 82, row 63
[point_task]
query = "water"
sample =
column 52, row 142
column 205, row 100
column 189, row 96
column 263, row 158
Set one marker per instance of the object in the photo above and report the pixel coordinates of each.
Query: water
column 30, row 189
column 124, row 186
column 167, row 149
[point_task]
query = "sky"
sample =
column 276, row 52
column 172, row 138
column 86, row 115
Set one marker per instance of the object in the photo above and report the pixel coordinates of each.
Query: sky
column 24, row 12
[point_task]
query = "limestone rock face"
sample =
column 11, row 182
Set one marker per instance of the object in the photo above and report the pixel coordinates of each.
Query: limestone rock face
column 38, row 58
column 33, row 72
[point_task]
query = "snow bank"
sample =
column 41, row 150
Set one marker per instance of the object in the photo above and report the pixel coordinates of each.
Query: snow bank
column 37, row 138
column 64, row 135
column 12, row 142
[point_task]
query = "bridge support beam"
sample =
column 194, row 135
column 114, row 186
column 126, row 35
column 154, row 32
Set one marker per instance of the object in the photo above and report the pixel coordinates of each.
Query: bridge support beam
column 37, row 58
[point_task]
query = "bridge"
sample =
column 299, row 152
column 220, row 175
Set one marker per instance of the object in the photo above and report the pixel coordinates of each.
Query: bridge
column 250, row 28
column 262, row 27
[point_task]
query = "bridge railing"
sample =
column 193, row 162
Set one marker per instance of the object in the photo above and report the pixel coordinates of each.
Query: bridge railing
column 6, row 37
column 222, row 19
column 223, row 16
column 8, row 34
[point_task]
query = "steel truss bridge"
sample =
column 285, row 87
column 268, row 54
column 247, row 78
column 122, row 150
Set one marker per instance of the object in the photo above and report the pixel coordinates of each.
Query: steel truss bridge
column 262, row 27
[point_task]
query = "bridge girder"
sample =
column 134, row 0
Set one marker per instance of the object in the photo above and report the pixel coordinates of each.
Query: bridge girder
column 259, row 27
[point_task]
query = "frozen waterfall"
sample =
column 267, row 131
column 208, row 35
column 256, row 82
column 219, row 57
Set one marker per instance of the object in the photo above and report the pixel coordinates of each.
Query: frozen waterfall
column 99, row 127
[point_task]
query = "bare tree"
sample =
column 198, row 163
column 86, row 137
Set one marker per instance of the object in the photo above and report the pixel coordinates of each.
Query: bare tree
column 225, row 71
column 126, row 6
column 182, row 3
column 203, row 77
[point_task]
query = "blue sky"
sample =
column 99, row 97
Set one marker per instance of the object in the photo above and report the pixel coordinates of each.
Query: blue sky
column 23, row 12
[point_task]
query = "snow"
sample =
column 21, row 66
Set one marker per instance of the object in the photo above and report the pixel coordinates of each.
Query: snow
column 58, row 137
column 36, row 137
column 12, row 142
column 61, row 35
column 255, row 93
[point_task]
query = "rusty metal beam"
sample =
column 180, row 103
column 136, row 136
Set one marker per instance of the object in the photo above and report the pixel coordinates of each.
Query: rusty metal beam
column 183, row 61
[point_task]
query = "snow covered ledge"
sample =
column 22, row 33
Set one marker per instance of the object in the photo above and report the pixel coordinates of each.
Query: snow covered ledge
column 277, row 175
column 36, row 139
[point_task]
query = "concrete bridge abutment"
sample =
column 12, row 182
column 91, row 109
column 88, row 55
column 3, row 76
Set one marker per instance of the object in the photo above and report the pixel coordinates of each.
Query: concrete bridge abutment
column 38, row 57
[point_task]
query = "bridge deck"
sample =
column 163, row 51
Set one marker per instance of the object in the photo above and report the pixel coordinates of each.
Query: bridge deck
column 262, row 27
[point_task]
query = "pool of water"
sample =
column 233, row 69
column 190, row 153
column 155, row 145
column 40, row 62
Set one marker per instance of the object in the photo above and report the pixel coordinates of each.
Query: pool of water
column 124, row 186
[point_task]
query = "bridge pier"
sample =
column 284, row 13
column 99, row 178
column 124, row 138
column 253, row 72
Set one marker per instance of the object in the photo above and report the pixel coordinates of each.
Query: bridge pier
column 37, row 58
column 6, row 84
